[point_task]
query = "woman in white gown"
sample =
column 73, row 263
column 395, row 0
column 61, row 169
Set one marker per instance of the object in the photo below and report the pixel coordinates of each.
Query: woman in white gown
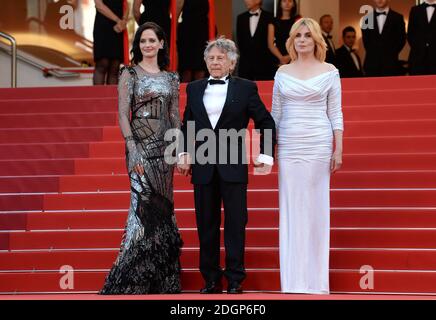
column 307, row 111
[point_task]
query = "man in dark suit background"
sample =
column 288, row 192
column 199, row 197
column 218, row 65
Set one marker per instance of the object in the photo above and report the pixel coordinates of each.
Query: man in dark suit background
column 347, row 59
column 222, row 103
column 326, row 24
column 422, row 38
column 257, row 61
column 384, row 42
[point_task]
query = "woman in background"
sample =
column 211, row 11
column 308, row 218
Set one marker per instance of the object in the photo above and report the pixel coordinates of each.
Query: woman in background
column 307, row 111
column 148, row 261
column 193, row 34
column 109, row 25
column 278, row 32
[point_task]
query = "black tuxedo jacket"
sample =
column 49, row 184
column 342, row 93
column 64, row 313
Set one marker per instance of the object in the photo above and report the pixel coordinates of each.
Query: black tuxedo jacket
column 422, row 40
column 345, row 64
column 242, row 104
column 331, row 52
column 257, row 61
column 382, row 50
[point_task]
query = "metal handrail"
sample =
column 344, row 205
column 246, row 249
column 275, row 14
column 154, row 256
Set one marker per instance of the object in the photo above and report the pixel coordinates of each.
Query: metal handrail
column 13, row 58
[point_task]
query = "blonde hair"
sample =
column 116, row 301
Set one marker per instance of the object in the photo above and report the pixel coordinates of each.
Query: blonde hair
column 315, row 30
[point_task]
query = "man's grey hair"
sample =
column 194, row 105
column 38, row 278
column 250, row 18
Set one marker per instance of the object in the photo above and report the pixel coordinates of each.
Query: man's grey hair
column 226, row 46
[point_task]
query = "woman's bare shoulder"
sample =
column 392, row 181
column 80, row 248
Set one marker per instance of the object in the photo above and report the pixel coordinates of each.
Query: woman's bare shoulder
column 286, row 68
column 329, row 66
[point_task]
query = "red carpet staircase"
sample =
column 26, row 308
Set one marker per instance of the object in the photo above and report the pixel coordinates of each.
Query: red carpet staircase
column 64, row 192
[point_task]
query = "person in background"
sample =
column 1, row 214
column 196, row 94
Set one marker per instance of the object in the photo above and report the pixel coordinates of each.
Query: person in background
column 384, row 42
column 326, row 23
column 307, row 110
column 347, row 60
column 193, row 34
column 278, row 32
column 422, row 38
column 157, row 11
column 257, row 61
column 110, row 22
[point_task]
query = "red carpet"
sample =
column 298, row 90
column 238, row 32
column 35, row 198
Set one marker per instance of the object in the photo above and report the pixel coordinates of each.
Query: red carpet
column 64, row 193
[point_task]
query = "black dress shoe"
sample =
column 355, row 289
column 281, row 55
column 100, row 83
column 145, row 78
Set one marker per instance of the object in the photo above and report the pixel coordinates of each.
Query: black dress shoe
column 234, row 288
column 212, row 287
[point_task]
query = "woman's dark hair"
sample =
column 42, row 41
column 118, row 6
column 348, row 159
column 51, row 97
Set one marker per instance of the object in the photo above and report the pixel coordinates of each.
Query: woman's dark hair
column 294, row 9
column 163, row 59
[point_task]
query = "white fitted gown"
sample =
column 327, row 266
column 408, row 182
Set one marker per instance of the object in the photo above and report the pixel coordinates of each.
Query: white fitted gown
column 305, row 112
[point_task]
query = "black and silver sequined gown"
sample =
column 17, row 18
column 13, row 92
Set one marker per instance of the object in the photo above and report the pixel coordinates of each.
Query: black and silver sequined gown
column 148, row 261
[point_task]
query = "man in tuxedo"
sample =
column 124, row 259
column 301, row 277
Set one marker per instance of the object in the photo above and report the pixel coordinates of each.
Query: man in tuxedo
column 422, row 38
column 326, row 24
column 217, row 105
column 257, row 61
column 347, row 59
column 384, row 42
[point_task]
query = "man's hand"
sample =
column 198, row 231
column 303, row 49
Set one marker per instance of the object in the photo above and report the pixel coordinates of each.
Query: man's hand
column 184, row 165
column 261, row 168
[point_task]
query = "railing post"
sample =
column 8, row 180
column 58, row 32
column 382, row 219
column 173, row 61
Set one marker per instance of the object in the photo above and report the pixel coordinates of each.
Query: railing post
column 13, row 57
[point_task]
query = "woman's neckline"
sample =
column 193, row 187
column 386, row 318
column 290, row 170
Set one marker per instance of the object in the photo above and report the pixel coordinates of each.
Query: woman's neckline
column 308, row 79
column 148, row 72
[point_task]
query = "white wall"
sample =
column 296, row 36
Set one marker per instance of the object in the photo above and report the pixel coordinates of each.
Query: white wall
column 29, row 76
column 316, row 8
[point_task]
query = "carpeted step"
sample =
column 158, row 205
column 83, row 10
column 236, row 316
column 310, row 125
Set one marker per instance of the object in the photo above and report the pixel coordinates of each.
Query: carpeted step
column 417, row 238
column 265, row 218
column 60, row 105
column 257, row 198
column 404, row 144
column 120, row 182
column 44, row 151
column 41, row 120
column 59, row 92
column 352, row 162
column 362, row 112
column 384, row 128
column 388, row 83
column 50, row 135
column 257, row 280
column 259, row 258
column 36, row 167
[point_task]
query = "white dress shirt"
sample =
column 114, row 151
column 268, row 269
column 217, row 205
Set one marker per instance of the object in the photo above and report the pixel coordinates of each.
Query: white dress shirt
column 332, row 44
column 353, row 56
column 381, row 19
column 430, row 10
column 214, row 99
column 254, row 21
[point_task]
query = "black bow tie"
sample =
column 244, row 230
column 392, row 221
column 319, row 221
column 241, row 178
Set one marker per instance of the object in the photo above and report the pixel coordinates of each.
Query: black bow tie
column 380, row 13
column 329, row 36
column 253, row 14
column 430, row 5
column 215, row 81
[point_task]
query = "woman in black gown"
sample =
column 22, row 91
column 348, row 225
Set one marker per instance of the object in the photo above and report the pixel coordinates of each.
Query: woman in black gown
column 157, row 11
column 148, row 261
column 193, row 34
column 109, row 25
column 278, row 32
